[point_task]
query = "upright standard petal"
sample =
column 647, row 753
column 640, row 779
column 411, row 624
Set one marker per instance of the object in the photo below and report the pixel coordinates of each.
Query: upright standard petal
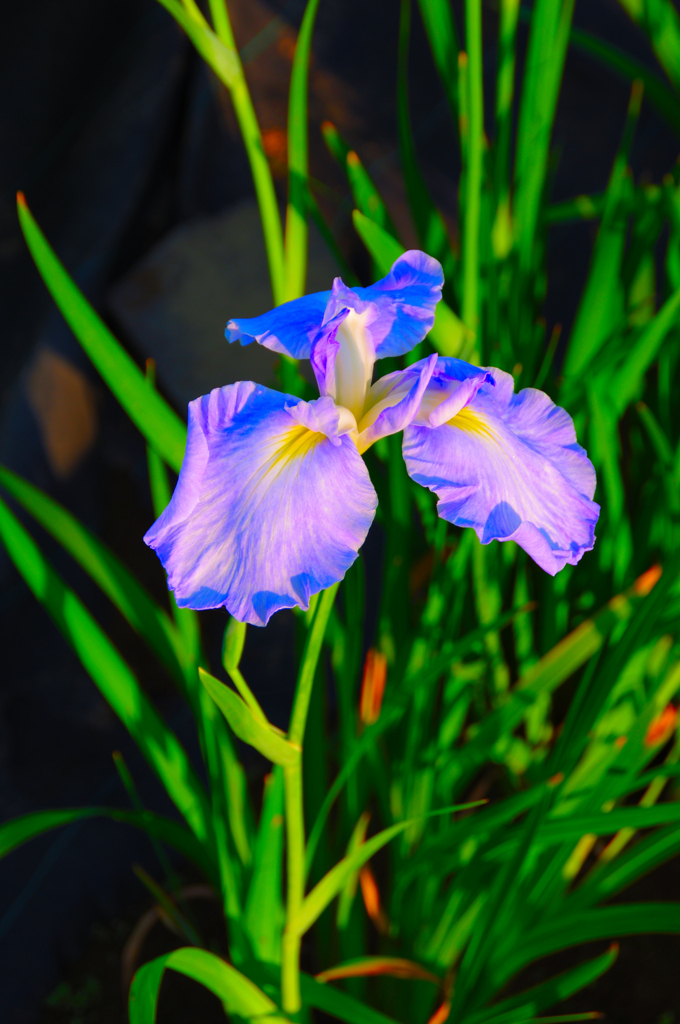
column 402, row 304
column 257, row 521
column 288, row 329
column 507, row 465
column 393, row 402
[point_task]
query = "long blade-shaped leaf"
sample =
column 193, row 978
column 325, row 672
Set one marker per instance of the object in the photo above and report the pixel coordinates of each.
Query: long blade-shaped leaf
column 334, row 881
column 130, row 598
column 238, row 994
column 264, row 912
column 18, row 831
column 543, row 996
column 565, row 930
column 657, row 90
column 296, row 214
column 339, row 1004
column 147, row 410
column 548, row 39
column 219, row 51
column 113, row 677
column 661, row 21
column 246, row 726
column 449, row 334
column 441, row 32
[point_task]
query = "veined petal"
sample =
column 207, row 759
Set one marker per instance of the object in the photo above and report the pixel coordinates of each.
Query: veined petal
column 257, row 521
column 394, row 401
column 452, row 386
column 401, row 305
column 289, row 328
column 510, row 467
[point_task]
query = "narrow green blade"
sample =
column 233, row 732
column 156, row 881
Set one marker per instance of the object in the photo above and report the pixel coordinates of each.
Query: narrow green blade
column 543, row 996
column 159, row 424
column 238, row 994
column 272, row 746
column 112, row 675
column 296, row 213
column 131, row 599
column 17, row 831
column 264, row 911
column 564, row 931
column 449, row 335
column 339, row 1004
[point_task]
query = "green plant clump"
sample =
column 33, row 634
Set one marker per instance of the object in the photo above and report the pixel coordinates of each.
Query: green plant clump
column 501, row 830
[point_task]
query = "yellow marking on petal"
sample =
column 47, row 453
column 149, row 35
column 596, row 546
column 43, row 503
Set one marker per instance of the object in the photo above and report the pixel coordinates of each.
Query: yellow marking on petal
column 300, row 441
column 291, row 446
column 473, row 423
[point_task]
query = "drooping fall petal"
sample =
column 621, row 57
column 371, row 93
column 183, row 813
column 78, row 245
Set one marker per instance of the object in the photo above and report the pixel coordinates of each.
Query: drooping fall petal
column 257, row 522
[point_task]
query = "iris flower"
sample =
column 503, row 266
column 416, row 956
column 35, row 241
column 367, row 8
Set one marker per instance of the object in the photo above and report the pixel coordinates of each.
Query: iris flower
column 274, row 499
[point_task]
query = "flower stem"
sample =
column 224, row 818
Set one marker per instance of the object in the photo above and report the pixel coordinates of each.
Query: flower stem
column 295, row 823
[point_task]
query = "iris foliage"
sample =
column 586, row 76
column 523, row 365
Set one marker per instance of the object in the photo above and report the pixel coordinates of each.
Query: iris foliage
column 368, row 853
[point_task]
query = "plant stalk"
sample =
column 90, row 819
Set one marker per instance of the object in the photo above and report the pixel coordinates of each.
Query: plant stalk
column 295, row 822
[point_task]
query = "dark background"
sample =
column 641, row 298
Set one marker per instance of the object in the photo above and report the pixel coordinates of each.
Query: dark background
column 128, row 154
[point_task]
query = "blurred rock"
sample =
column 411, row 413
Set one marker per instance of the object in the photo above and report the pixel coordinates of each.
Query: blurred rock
column 175, row 303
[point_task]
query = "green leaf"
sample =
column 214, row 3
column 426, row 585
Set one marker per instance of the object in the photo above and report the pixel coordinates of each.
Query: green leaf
column 658, row 93
column 545, row 676
column 473, row 170
column 628, row 381
column 637, row 861
column 437, row 17
column 564, row 930
column 238, row 994
column 366, row 196
column 339, row 1004
column 335, row 880
column 219, row 51
column 449, row 335
column 161, row 426
column 661, row 22
column 429, row 222
column 546, row 53
column 264, row 911
column 296, row 213
column 17, row 831
column 601, row 309
column 547, row 994
column 241, row 719
column 112, row 675
column 383, row 247
column 360, row 748
column 131, row 599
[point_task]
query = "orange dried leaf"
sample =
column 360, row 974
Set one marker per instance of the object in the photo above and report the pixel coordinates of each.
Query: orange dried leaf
column 645, row 583
column 371, row 897
column 392, row 966
column 442, row 1014
column 373, row 686
column 661, row 726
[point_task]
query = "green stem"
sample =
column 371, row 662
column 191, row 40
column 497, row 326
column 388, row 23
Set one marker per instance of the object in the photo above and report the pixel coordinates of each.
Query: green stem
column 473, row 178
column 295, row 824
column 310, row 660
column 235, row 81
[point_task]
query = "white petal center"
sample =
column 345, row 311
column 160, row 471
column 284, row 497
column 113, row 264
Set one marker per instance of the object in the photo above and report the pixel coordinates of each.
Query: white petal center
column 354, row 362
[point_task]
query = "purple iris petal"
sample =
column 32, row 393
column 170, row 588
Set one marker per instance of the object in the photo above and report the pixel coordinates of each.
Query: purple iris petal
column 323, row 352
column 399, row 396
column 404, row 303
column 509, row 466
column 257, row 522
column 289, row 328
